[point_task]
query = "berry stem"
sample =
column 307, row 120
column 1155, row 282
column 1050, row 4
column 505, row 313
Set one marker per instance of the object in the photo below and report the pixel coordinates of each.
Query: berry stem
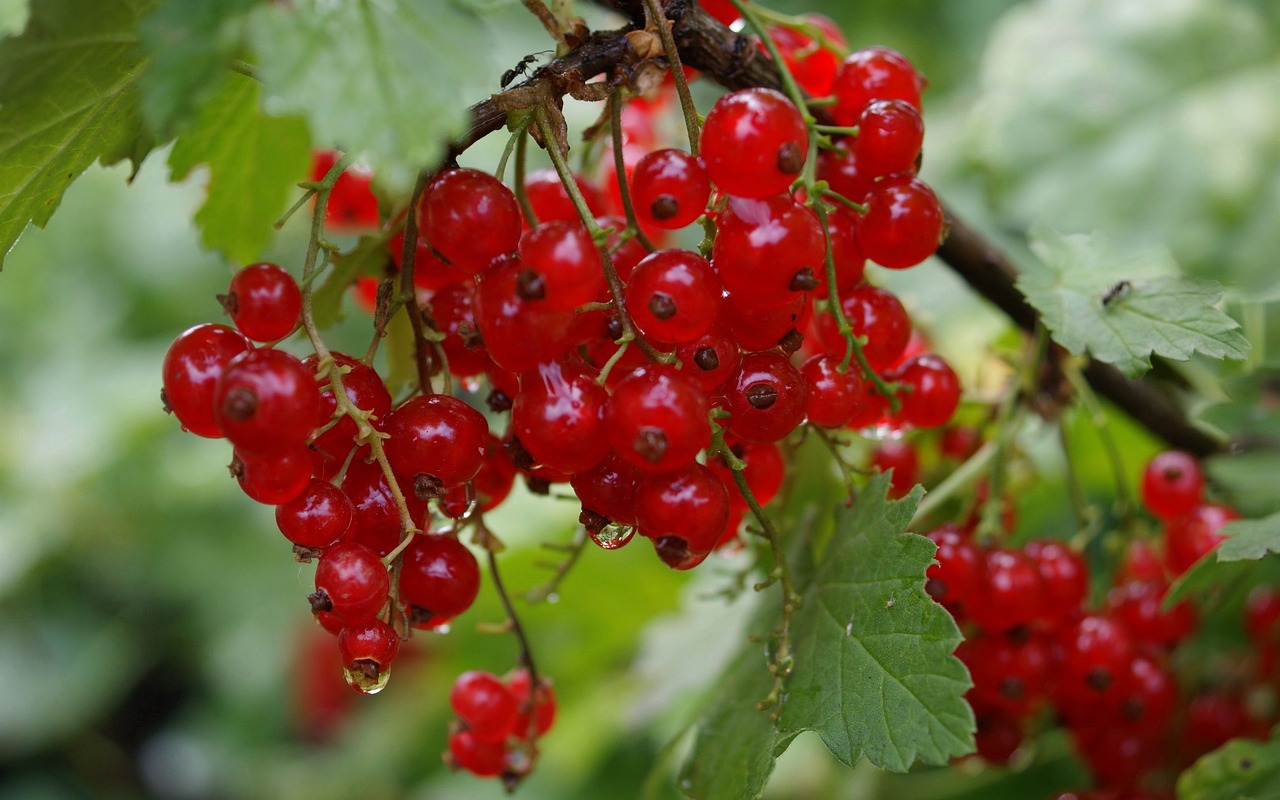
column 859, row 208
column 692, row 123
column 961, row 479
column 620, row 169
column 597, row 235
column 804, row 26
column 408, row 296
column 539, row 594
column 521, row 129
column 522, row 158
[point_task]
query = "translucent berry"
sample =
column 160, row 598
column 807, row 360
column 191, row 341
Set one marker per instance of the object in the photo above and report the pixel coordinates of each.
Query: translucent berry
column 673, row 296
column 438, row 436
column 657, row 419
column 485, row 705
column 351, row 583
column 765, row 398
column 754, row 143
column 903, row 224
column 264, row 302
column 1172, row 484
column 439, row 579
column 266, row 400
column 875, row 73
column 192, row 366
column 469, row 218
column 669, row 189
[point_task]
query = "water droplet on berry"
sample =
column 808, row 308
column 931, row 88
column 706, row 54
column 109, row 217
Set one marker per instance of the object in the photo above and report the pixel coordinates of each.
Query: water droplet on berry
column 613, row 536
column 363, row 682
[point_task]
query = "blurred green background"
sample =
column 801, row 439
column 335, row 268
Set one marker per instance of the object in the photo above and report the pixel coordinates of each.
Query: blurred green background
column 155, row 640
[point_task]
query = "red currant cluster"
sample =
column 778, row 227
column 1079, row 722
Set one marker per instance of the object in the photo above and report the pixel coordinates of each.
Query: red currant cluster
column 1033, row 644
column 497, row 722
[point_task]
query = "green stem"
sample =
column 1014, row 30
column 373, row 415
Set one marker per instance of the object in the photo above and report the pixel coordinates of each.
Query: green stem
column 620, row 169
column 515, row 137
column 687, row 108
column 541, row 593
column 522, row 197
column 960, row 479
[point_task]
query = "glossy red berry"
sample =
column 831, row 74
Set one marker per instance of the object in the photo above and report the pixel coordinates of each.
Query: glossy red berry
column 1064, row 577
column 266, row 400
column 439, row 579
column 1094, row 655
column 609, row 489
column 890, row 133
column 903, row 224
column 764, row 472
column 657, row 419
column 562, row 267
column 812, row 65
column 469, row 218
column 961, row 569
column 550, row 201
column 275, row 476
column 351, row 583
column 192, row 366
column 765, row 398
column 488, row 488
column 689, row 504
column 1172, row 484
column 484, row 760
column 1011, row 673
column 1140, row 606
column 669, row 189
column 874, row 313
column 710, row 359
column 519, row 333
column 559, row 417
column 352, row 207
column 377, row 523
column 929, row 391
column 757, row 328
column 673, row 296
column 843, row 173
column 438, row 436
column 766, row 251
column 875, row 73
column 485, row 705
column 367, row 650
column 536, row 709
column 318, row 517
column 831, row 396
column 754, row 143
column 453, row 310
column 366, row 391
column 1013, row 594
column 264, row 302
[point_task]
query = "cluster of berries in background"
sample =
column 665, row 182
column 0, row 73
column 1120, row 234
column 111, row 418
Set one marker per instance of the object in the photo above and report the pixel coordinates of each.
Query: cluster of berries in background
column 649, row 378
column 1044, row 648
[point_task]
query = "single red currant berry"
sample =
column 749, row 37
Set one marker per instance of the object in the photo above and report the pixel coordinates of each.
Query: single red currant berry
column 609, row 489
column 352, row 208
column 903, row 225
column 438, row 436
column 536, row 708
column 485, row 705
column 367, row 650
column 470, row 218
column 1172, row 484
column 831, row 396
column 657, row 419
column 764, row 329
column 453, row 309
column 273, row 477
column 768, row 250
column 711, row 359
column 930, row 391
column 550, row 201
column 559, row 417
column 754, row 143
column 1192, row 536
column 1064, row 577
column 1139, row 605
column 439, row 579
column 766, row 398
column 351, row 583
column 764, row 471
column 890, row 133
column 669, row 189
column 1011, row 673
column 874, row 313
column 690, row 504
column 318, row 517
column 192, row 366
column 264, row 302
column 562, row 266
column 484, row 760
column 1094, row 654
column 960, row 572
column 812, row 65
column 377, row 523
column 673, row 296
column 519, row 333
column 876, row 73
column 266, row 400
column 1013, row 595
column 844, row 174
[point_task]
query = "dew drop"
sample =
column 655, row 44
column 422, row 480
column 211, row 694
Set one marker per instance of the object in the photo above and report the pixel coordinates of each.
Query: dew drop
column 553, row 597
column 613, row 536
column 364, row 683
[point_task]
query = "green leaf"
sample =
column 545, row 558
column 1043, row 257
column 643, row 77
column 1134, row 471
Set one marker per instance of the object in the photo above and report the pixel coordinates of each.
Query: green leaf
column 1250, row 539
column 874, row 672
column 1123, row 307
column 191, row 44
column 1164, row 121
column 367, row 258
column 1242, row 769
column 254, row 162
column 68, row 96
column 391, row 79
column 1227, row 565
column 1253, row 411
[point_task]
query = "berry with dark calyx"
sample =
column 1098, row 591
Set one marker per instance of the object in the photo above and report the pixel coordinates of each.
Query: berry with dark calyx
column 890, row 133
column 960, row 572
column 1193, row 535
column 266, row 400
column 875, row 73
column 669, row 189
column 764, row 329
column 609, row 489
column 710, row 359
column 1093, row 655
column 436, row 435
column 537, row 713
column 439, row 579
column 690, row 504
column 351, row 583
column 469, row 218
column 352, row 208
column 1172, row 484
column 999, row 734
column 831, row 396
column 765, row 398
column 874, row 313
column 673, row 296
column 453, row 310
column 273, row 477
column 754, row 143
column 192, row 366
column 518, row 333
column 365, row 390
column 561, row 255
column 657, row 419
column 485, row 705
column 559, row 417
column 903, row 224
column 1011, row 673
column 484, row 760
column 929, row 391
column 264, row 302
column 367, row 650
column 318, row 517
column 489, row 487
column 763, row 248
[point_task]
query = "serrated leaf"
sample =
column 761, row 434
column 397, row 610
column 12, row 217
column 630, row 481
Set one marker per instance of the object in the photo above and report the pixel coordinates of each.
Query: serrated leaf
column 1164, row 121
column 410, row 68
column 367, row 258
column 1253, row 412
column 254, row 162
column 191, row 44
column 1124, row 307
column 874, row 671
column 1227, row 564
column 1250, row 539
column 1242, row 769
column 68, row 96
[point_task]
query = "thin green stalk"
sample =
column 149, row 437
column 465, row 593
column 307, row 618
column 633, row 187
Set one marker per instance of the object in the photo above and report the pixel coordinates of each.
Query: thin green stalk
column 692, row 122
column 620, row 169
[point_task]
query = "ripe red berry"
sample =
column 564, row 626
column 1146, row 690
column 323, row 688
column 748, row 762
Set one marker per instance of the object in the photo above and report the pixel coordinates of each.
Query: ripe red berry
column 550, row 201
column 561, row 266
column 901, row 457
column 903, row 224
column 960, row 572
column 831, row 396
column 438, row 436
column 264, row 302
column 367, row 650
column 485, row 705
column 930, row 391
column 377, row 523
column 453, row 309
column 192, row 366
column 1172, row 484
column 765, row 398
column 669, row 189
column 559, row 417
column 470, row 218
column 351, row 583
column 874, row 313
column 710, row 359
column 890, row 133
column 484, row 760
column 534, row 708
column 689, row 505
column 1190, row 537
column 767, row 251
column 318, row 517
column 1064, row 577
column 266, row 400
column 813, row 66
column 439, row 579
column 609, row 489
column 352, row 208
column 673, row 296
column 1094, row 654
column 272, row 477
column 754, row 143
column 1013, row 594
column 875, row 73
column 519, row 333
column 764, row 471
column 657, row 419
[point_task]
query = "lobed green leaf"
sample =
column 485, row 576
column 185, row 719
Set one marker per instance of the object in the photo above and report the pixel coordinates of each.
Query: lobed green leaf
column 1242, row 769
